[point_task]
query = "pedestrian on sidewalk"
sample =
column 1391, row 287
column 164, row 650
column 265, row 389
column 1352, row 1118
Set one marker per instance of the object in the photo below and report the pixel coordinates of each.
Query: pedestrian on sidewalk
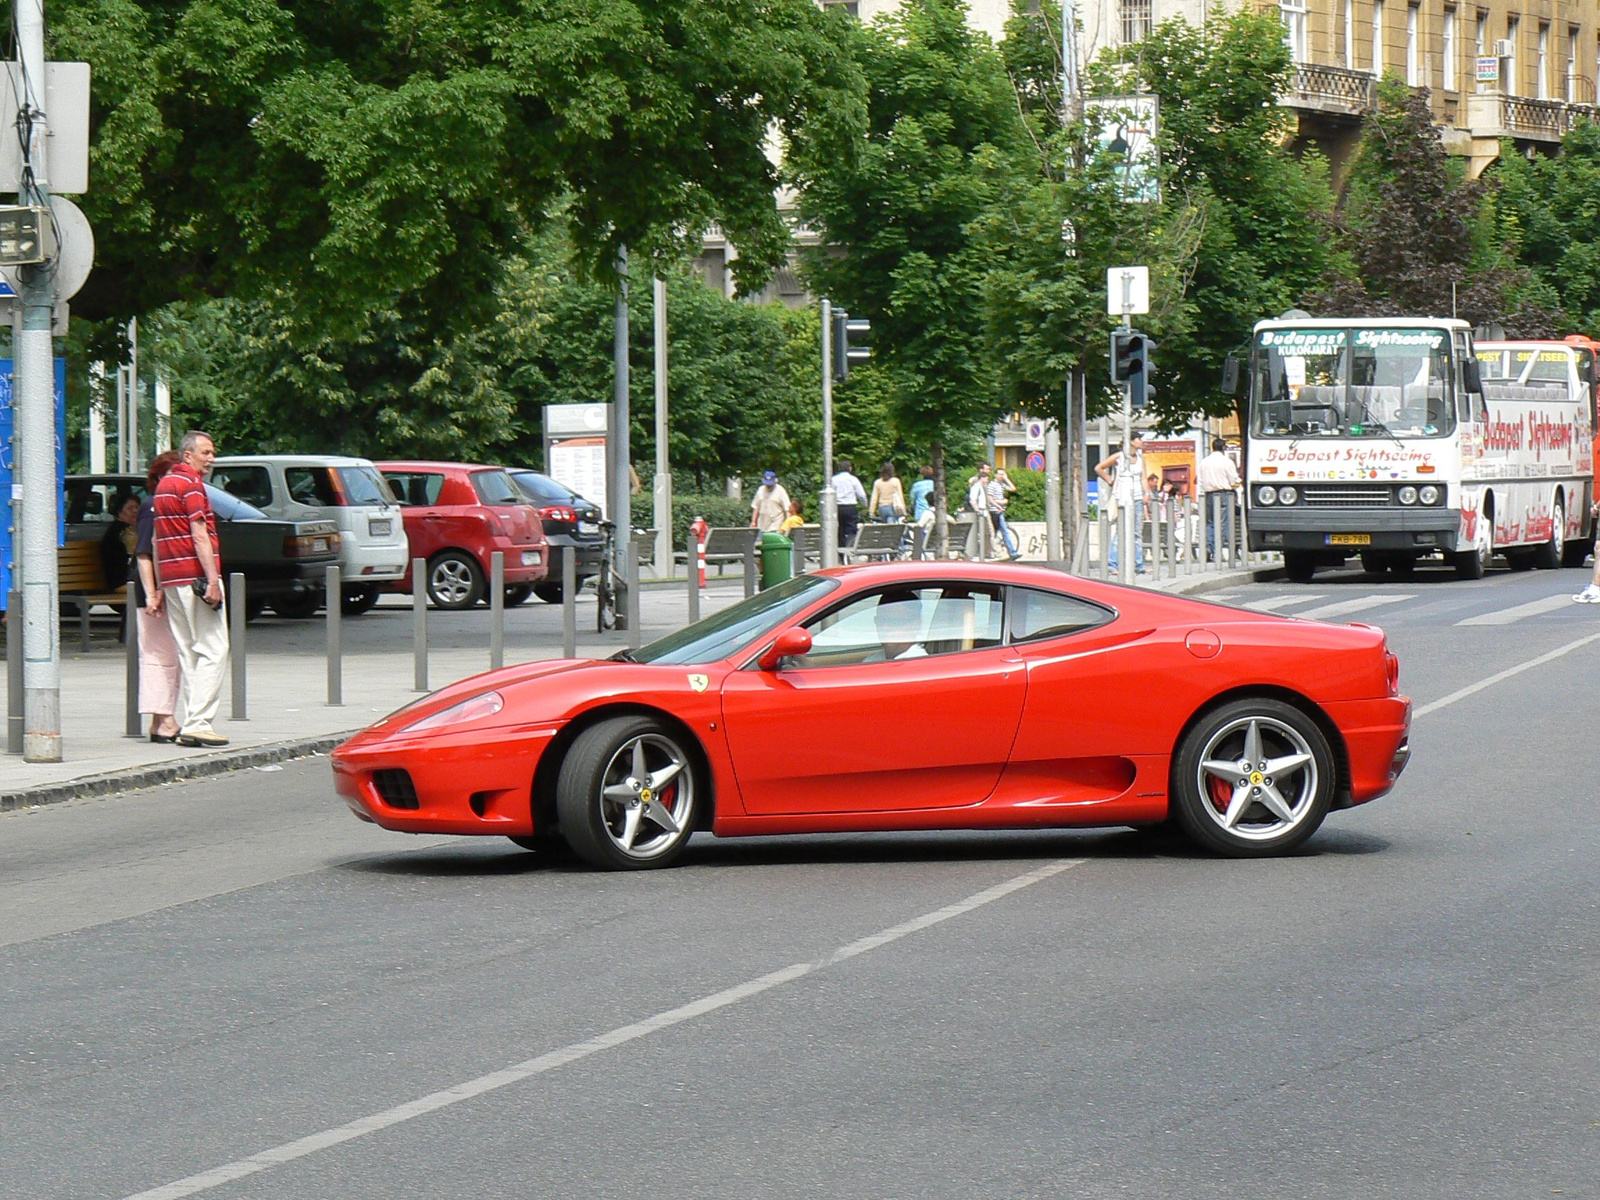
column 795, row 519
column 190, row 566
column 978, row 505
column 1122, row 474
column 770, row 505
column 922, row 494
column 848, row 496
column 1591, row 594
column 159, row 675
column 888, row 502
column 1217, row 476
column 1000, row 486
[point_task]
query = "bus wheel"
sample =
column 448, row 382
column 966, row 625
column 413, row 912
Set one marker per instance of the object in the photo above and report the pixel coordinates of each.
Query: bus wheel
column 1403, row 565
column 1373, row 562
column 1300, row 565
column 1548, row 556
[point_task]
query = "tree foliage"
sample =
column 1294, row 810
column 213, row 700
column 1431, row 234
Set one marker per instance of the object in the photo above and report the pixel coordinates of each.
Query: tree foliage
column 1548, row 209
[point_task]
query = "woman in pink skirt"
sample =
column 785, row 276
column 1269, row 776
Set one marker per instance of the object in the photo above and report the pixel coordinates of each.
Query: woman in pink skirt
column 158, row 653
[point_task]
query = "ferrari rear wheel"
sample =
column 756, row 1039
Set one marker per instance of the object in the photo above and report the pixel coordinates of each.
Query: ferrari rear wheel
column 1253, row 778
column 626, row 795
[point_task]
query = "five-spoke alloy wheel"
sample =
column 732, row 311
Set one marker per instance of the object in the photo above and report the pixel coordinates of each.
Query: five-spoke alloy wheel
column 1253, row 777
column 626, row 794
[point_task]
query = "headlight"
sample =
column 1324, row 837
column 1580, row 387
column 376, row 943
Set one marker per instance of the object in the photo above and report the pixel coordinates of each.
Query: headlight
column 1266, row 495
column 485, row 705
column 1287, row 495
column 1408, row 495
column 1429, row 495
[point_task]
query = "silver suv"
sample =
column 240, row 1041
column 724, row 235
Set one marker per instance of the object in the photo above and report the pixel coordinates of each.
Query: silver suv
column 346, row 491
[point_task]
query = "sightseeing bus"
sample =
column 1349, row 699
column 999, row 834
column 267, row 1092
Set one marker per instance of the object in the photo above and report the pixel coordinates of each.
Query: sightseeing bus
column 1393, row 440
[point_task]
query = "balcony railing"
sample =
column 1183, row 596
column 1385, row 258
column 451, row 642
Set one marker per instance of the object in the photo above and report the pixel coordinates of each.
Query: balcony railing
column 1494, row 115
column 1332, row 89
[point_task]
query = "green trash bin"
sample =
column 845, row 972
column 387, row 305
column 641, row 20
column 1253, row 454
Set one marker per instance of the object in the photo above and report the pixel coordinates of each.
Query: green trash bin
column 777, row 559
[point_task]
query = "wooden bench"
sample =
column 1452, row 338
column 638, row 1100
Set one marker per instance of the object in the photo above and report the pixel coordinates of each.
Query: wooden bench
column 883, row 541
column 82, row 578
column 725, row 544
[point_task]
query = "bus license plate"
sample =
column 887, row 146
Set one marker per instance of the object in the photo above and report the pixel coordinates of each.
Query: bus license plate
column 1349, row 539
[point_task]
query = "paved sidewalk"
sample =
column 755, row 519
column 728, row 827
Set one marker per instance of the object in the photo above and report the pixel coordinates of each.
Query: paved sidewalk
column 287, row 687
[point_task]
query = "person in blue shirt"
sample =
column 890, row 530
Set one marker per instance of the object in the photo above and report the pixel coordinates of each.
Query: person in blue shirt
column 922, row 494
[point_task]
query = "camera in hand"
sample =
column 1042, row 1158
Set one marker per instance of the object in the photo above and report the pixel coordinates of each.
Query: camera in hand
column 200, row 588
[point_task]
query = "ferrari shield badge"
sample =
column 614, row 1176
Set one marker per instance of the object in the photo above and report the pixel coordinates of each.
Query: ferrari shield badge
column 699, row 682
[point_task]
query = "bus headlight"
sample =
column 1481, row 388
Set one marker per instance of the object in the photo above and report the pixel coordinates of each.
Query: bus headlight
column 1287, row 495
column 1408, row 495
column 1266, row 495
column 1429, row 495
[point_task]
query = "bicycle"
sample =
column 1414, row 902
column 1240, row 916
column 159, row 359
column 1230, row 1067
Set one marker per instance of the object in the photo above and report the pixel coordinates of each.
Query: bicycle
column 605, row 586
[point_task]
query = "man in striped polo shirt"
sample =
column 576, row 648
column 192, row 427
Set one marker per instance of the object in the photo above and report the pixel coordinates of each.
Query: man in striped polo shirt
column 189, row 566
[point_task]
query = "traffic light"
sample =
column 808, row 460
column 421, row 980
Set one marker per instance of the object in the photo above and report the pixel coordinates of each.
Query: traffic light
column 844, row 331
column 1131, row 364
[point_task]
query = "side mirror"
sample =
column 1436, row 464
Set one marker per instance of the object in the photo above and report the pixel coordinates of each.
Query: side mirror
column 791, row 643
column 1473, row 375
column 1230, row 376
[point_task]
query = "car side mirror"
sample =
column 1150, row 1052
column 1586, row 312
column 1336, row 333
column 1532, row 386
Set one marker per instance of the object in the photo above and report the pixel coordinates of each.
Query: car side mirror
column 791, row 643
column 1230, row 376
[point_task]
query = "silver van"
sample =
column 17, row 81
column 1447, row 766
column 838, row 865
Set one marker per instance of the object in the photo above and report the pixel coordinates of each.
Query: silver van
column 347, row 491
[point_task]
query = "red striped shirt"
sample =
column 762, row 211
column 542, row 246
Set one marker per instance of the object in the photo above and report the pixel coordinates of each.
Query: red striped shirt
column 179, row 499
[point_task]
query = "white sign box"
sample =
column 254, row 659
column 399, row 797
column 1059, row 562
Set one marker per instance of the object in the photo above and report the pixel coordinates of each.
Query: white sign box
column 66, row 109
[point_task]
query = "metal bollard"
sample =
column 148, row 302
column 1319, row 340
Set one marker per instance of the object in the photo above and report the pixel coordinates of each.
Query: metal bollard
column 14, row 690
column 1203, row 535
column 569, row 602
column 691, row 548
column 750, row 565
column 334, row 591
column 132, row 726
column 236, row 648
column 419, row 623
column 633, row 595
column 497, row 610
column 919, row 542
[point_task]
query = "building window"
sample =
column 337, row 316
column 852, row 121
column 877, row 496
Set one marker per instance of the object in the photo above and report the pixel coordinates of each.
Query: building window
column 1294, row 28
column 853, row 7
column 1377, row 38
column 1508, row 68
column 1136, row 20
column 1350, row 34
column 1541, row 84
column 1448, row 32
column 1572, row 65
column 1413, row 51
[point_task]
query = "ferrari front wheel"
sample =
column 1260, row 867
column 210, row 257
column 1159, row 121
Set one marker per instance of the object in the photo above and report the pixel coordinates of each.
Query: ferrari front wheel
column 626, row 794
column 1253, row 778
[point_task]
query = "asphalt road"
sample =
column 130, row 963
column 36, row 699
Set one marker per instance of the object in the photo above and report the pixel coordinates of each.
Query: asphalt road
column 235, row 974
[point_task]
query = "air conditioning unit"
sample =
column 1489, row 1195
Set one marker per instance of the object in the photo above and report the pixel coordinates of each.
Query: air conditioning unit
column 1505, row 48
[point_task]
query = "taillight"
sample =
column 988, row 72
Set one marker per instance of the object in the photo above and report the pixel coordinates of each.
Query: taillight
column 340, row 496
column 495, row 527
column 306, row 544
column 1391, row 665
column 557, row 512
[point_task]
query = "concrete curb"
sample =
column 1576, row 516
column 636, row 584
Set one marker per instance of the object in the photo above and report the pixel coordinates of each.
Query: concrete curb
column 156, row 774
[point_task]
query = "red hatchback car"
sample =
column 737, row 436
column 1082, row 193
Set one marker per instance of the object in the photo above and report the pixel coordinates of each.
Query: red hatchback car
column 456, row 516
column 906, row 696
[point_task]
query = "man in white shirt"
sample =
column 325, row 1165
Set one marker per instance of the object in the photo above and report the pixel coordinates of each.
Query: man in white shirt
column 1217, row 476
column 770, row 505
column 848, row 496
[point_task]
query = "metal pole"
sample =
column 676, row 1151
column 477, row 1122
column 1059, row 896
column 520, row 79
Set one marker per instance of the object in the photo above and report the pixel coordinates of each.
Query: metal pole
column 569, row 602
column 663, row 484
column 14, row 690
column 34, row 400
column 693, row 550
column 621, row 489
column 237, row 601
column 334, row 592
column 419, row 623
column 1052, row 493
column 135, row 459
column 633, row 595
column 750, row 565
column 829, row 506
column 497, row 610
column 130, row 639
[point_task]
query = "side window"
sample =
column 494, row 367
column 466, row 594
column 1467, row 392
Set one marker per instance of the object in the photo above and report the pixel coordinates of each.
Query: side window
column 415, row 487
column 905, row 623
column 1037, row 615
column 311, row 485
column 253, row 485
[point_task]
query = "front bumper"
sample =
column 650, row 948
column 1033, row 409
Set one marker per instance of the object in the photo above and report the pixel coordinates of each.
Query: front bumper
column 1417, row 528
column 1377, row 744
column 473, row 781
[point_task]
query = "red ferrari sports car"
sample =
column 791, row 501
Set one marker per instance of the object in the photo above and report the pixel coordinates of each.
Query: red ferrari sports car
column 906, row 696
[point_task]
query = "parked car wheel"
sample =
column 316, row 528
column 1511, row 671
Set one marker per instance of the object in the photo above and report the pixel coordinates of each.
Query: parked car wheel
column 358, row 599
column 298, row 606
column 1252, row 778
column 517, row 593
column 454, row 580
column 626, row 795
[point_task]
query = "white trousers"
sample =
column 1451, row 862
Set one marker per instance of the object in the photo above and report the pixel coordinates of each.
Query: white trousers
column 159, row 676
column 201, row 634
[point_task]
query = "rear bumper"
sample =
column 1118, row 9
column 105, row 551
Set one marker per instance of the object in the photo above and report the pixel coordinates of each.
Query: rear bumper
column 373, row 562
column 1398, row 528
column 472, row 782
column 589, row 554
column 1377, row 744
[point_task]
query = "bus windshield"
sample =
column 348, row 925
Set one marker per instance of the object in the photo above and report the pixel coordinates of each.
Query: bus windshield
column 1369, row 382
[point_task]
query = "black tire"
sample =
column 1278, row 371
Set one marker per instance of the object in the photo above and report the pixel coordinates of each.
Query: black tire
column 1373, row 562
column 253, row 608
column 455, row 580
column 358, row 598
column 1300, row 565
column 546, row 845
column 1266, row 814
column 516, row 593
column 550, row 593
column 598, row 825
column 1548, row 556
column 1520, row 560
column 297, row 607
column 1403, row 565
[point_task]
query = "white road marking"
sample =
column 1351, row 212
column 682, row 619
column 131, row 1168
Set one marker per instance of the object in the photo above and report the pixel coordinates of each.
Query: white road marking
column 1510, row 616
column 302, row 1147
column 1473, row 689
column 1274, row 603
column 1340, row 608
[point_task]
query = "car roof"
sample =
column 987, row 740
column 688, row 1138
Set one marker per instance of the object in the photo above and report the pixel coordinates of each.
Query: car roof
column 295, row 460
column 422, row 464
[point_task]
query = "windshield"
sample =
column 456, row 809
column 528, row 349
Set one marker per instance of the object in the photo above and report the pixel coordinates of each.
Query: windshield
column 733, row 629
column 495, row 487
column 231, row 508
column 1311, row 382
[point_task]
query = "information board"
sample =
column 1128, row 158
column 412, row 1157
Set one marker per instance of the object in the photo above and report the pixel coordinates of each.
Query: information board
column 8, row 527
